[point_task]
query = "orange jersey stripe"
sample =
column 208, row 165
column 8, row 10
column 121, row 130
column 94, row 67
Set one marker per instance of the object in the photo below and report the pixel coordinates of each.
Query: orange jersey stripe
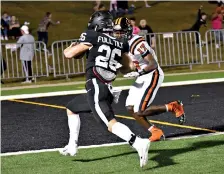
column 147, row 98
column 135, row 43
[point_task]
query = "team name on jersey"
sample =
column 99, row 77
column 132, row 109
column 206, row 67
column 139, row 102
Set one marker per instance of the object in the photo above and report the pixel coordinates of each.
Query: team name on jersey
column 110, row 41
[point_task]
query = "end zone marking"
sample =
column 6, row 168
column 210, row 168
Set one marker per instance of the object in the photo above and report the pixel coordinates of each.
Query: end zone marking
column 60, row 93
column 119, row 116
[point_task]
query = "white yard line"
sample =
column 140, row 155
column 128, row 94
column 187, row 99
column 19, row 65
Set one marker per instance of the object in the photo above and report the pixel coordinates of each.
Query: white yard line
column 103, row 145
column 62, row 93
column 82, row 82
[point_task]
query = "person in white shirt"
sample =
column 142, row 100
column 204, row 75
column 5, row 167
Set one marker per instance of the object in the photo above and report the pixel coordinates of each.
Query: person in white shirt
column 26, row 42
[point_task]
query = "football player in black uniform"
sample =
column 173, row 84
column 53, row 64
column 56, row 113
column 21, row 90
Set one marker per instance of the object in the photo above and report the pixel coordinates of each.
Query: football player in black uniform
column 104, row 54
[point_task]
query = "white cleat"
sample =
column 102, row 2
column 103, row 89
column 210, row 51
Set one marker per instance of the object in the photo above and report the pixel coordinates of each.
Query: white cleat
column 70, row 150
column 142, row 147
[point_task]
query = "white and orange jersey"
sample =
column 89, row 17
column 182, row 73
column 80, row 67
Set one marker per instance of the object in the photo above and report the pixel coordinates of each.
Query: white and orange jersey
column 138, row 49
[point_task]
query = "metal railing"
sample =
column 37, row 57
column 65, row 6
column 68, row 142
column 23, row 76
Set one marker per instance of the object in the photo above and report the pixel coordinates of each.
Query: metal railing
column 63, row 66
column 215, row 46
column 177, row 48
column 172, row 49
column 15, row 67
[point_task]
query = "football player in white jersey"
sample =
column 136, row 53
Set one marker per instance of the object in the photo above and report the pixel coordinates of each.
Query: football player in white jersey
column 150, row 77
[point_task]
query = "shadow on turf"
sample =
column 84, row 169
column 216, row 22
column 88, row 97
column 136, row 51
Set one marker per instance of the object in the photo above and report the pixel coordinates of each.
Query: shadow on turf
column 106, row 157
column 164, row 156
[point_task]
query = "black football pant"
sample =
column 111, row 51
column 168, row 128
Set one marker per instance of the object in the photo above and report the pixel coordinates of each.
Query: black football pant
column 98, row 100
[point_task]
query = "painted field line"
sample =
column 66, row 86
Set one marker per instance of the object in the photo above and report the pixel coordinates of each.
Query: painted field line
column 119, row 116
column 171, row 124
column 61, row 93
column 82, row 82
column 102, row 145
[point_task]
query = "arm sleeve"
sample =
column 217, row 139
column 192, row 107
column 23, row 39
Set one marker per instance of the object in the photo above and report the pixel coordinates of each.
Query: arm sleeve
column 52, row 22
column 21, row 40
column 88, row 37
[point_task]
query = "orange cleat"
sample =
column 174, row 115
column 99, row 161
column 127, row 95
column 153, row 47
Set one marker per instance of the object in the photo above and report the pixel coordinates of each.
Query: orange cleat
column 157, row 134
column 178, row 109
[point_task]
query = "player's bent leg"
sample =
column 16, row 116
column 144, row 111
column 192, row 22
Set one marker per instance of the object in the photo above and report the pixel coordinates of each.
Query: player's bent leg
column 140, row 119
column 141, row 145
column 99, row 99
column 153, row 110
column 157, row 134
column 74, row 127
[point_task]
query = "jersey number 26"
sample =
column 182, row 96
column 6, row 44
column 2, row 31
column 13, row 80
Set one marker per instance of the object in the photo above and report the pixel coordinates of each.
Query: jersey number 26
column 108, row 61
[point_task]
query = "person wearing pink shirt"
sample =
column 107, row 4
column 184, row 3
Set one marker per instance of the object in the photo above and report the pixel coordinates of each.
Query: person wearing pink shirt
column 136, row 30
column 217, row 19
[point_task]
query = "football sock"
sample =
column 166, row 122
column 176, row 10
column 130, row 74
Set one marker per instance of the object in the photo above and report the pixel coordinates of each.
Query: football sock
column 168, row 108
column 123, row 132
column 74, row 127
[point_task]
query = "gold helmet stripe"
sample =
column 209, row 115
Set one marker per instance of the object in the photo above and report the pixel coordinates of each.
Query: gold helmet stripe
column 116, row 21
column 119, row 22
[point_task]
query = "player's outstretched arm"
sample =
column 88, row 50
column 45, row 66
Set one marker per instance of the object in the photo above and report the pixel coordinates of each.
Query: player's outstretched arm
column 127, row 64
column 75, row 50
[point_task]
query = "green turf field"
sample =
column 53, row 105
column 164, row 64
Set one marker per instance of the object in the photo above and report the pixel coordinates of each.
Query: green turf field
column 125, row 82
column 196, row 155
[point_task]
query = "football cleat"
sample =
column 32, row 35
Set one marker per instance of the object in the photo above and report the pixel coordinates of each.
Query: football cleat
column 177, row 108
column 157, row 134
column 70, row 150
column 142, row 147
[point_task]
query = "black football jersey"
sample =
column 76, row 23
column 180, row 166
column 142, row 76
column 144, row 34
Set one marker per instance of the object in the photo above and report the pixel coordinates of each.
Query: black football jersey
column 105, row 51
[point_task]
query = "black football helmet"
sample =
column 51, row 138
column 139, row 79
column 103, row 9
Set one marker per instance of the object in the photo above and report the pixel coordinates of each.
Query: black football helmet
column 122, row 29
column 101, row 21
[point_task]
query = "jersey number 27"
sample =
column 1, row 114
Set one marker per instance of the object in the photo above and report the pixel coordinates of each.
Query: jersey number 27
column 108, row 61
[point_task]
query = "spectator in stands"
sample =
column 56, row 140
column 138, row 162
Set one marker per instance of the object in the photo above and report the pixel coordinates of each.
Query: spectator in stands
column 26, row 42
column 220, row 7
column 14, row 28
column 201, row 20
column 113, row 8
column 136, row 30
column 4, row 30
column 217, row 19
column 5, row 25
column 42, row 31
column 147, row 30
column 146, row 4
column 101, row 7
column 97, row 5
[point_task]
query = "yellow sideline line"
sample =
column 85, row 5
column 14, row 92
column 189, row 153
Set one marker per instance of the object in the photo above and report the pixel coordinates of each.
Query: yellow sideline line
column 37, row 103
column 119, row 116
column 171, row 124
